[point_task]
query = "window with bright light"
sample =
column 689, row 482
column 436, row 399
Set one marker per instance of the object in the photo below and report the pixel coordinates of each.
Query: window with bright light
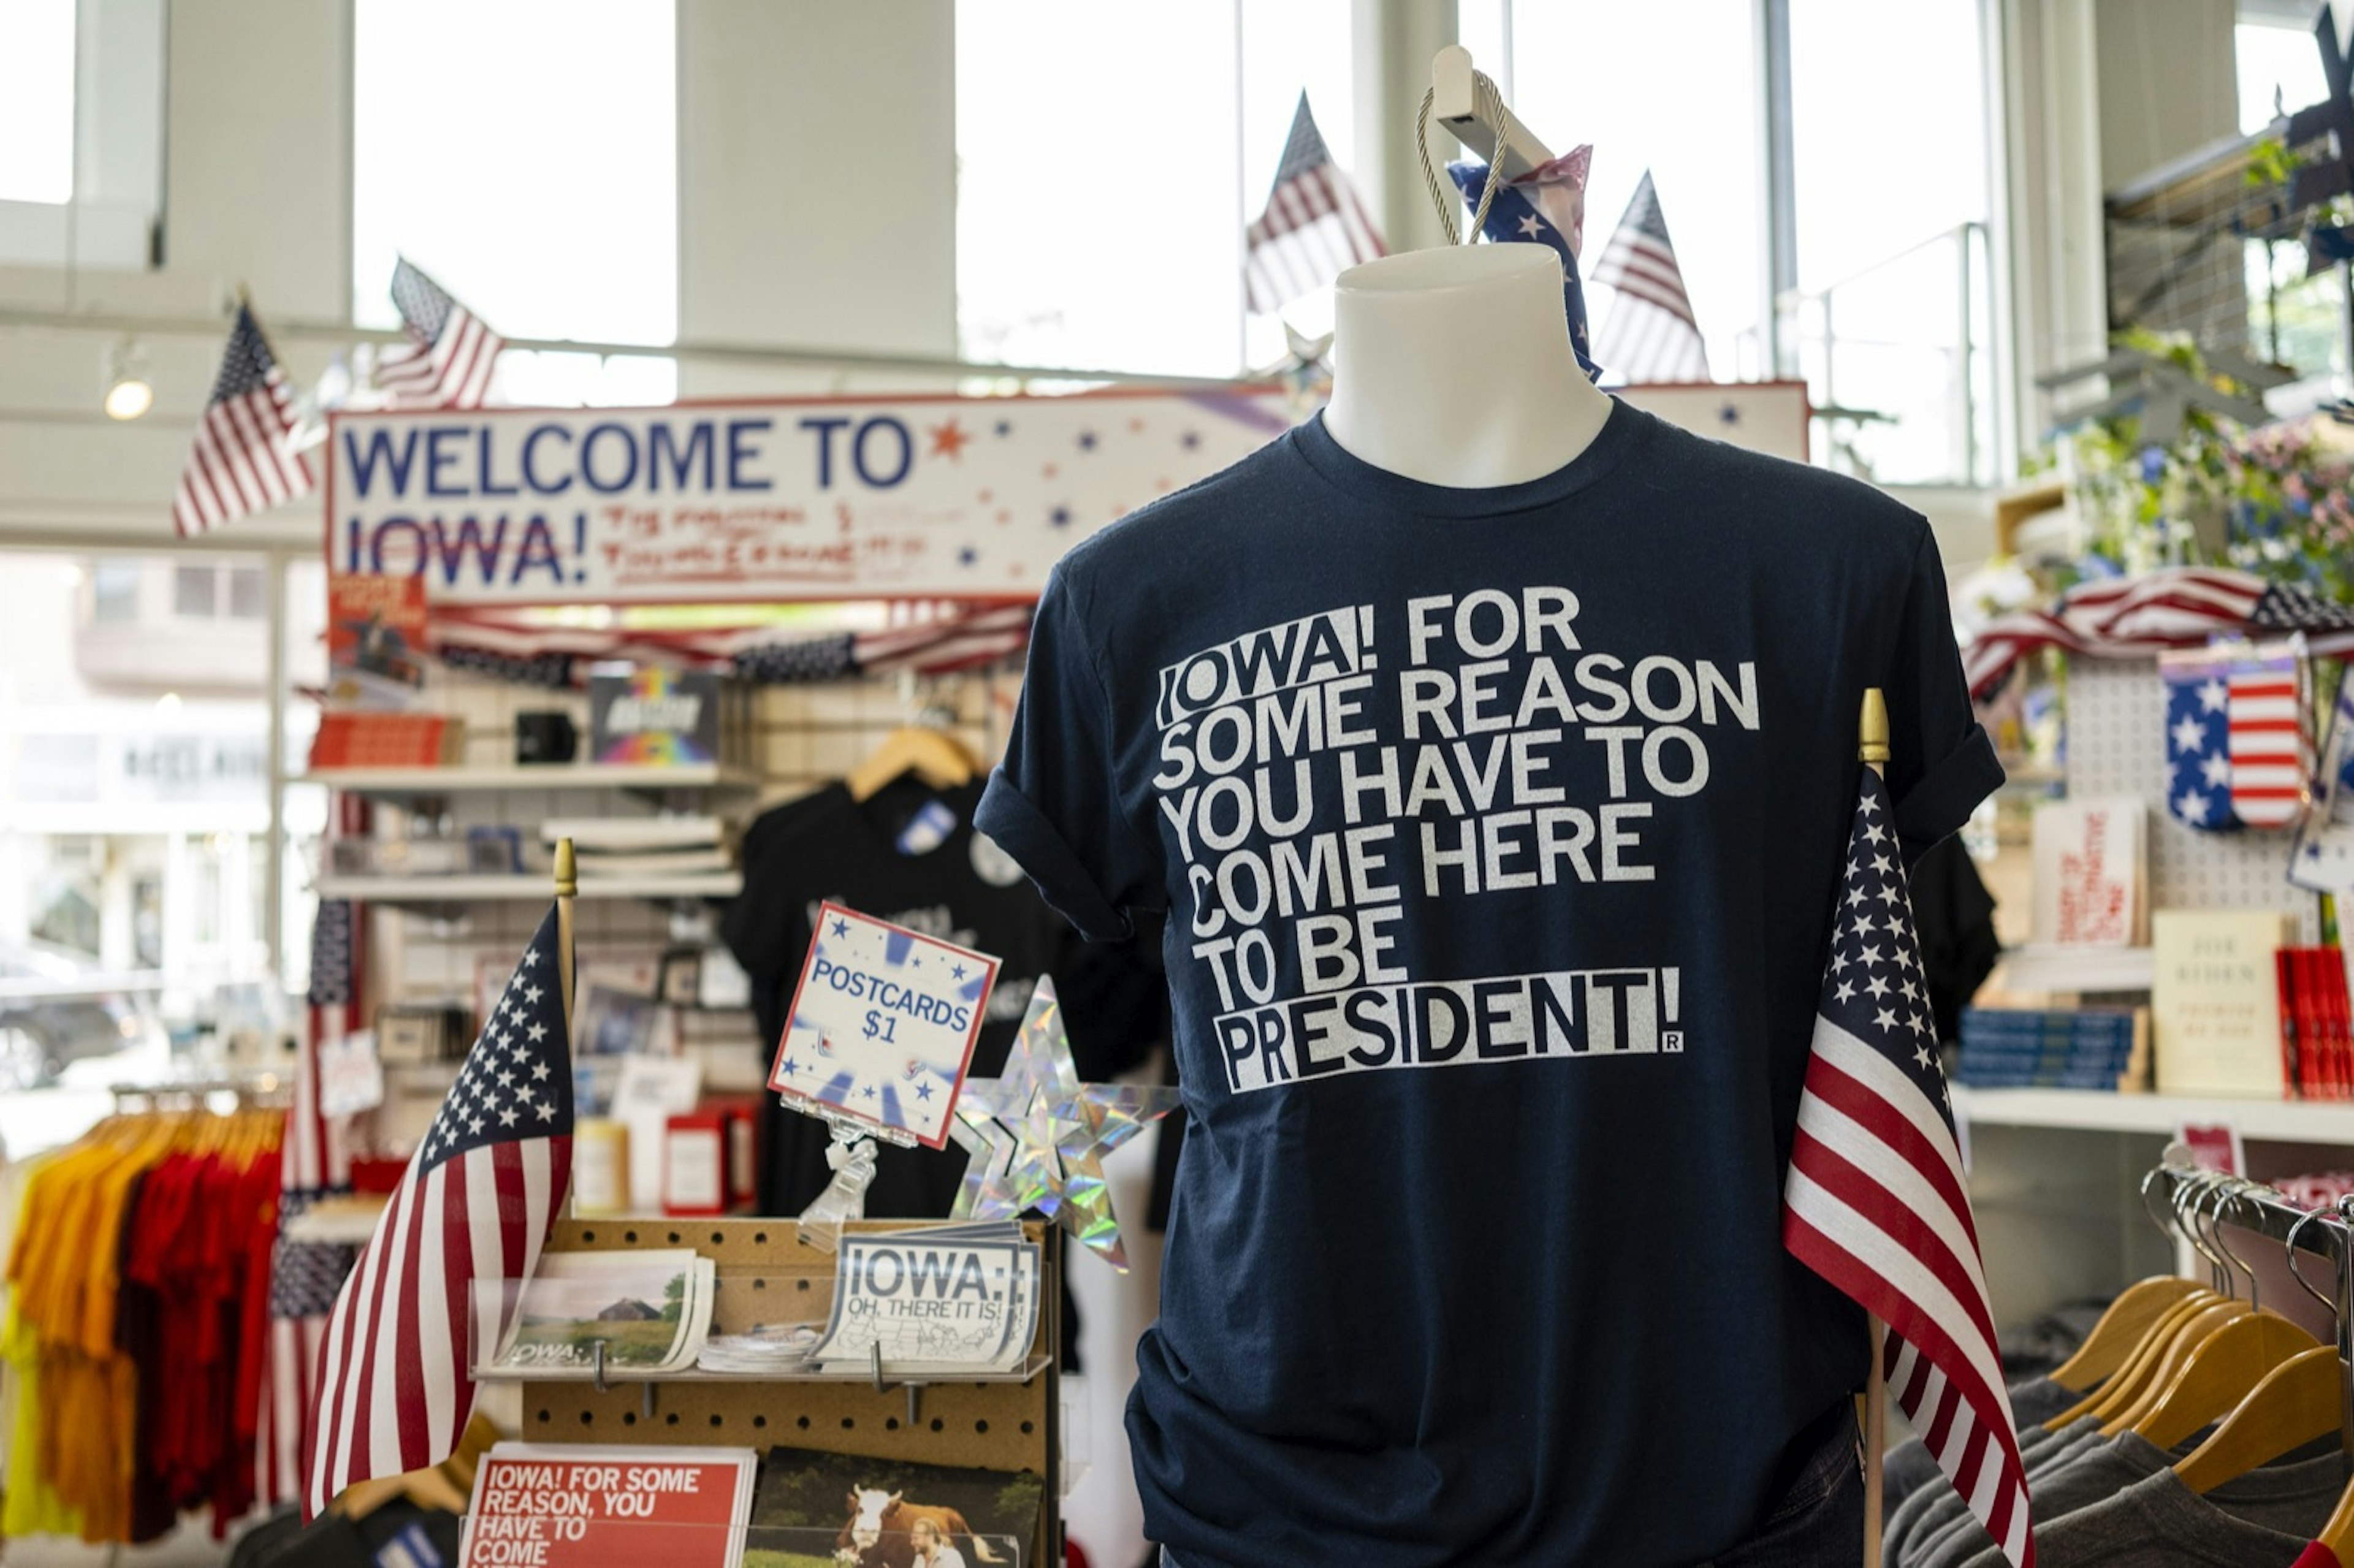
column 2279, row 70
column 1671, row 89
column 549, row 208
column 1098, row 224
column 37, row 100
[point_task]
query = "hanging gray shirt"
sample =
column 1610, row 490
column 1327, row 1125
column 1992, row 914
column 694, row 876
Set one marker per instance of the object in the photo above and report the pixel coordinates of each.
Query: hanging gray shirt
column 1943, row 1508
column 1909, row 1466
column 2266, row 1517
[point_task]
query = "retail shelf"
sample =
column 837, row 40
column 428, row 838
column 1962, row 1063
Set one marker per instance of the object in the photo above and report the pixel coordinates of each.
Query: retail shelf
column 528, row 885
column 416, row 781
column 2045, row 966
column 2094, row 1110
column 891, row 1373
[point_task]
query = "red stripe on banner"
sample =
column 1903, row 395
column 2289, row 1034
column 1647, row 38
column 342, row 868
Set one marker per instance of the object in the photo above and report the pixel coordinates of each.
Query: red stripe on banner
column 1893, row 1128
column 2263, row 727
column 2265, row 792
column 1841, row 1177
column 457, row 1282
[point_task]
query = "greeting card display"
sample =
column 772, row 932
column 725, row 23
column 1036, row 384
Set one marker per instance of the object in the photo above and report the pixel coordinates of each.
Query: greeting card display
column 881, row 1026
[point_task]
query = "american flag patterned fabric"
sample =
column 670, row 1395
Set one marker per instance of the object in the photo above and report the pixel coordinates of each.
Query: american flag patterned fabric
column 1314, row 228
column 1548, row 215
column 461, row 1235
column 2237, row 751
column 2174, row 607
column 450, row 365
column 1875, row 1201
column 1650, row 333
column 240, row 461
column 314, row 1160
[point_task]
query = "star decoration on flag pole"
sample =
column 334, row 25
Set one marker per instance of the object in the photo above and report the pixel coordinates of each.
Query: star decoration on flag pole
column 1037, row 1136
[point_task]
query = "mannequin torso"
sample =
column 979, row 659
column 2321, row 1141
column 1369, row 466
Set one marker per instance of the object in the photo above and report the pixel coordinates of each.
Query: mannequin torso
column 1454, row 367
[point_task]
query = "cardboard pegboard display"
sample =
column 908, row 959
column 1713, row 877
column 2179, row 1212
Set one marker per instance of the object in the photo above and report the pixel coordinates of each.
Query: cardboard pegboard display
column 2116, row 746
column 998, row 1425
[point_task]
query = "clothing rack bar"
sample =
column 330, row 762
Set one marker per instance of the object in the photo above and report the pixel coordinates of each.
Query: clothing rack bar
column 250, row 1089
column 2262, row 1211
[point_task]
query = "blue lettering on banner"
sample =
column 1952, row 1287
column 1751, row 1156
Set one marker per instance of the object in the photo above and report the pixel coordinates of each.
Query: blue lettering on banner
column 362, row 462
column 824, row 426
column 531, row 467
column 740, row 450
column 491, row 486
column 661, row 445
column 907, row 451
column 438, row 455
column 589, row 457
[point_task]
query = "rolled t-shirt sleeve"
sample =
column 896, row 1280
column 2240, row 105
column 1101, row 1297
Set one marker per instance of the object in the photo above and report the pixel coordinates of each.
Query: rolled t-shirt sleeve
column 1941, row 764
column 1054, row 803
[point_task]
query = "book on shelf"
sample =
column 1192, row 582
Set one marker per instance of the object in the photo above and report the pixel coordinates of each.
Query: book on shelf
column 654, row 715
column 388, row 740
column 2215, row 1001
column 2317, row 1024
column 2090, row 857
column 2087, row 1048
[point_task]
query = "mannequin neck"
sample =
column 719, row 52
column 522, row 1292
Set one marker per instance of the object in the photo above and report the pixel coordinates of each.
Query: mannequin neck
column 1454, row 367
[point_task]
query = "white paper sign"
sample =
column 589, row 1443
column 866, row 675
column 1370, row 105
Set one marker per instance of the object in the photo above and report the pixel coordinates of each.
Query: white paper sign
column 351, row 1074
column 650, row 1091
column 882, row 1024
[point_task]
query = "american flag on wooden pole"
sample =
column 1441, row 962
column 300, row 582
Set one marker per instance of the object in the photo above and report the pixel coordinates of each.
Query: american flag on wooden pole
column 1875, row 1201
column 1650, row 333
column 1314, row 228
column 472, row 1211
column 448, row 366
column 240, row 461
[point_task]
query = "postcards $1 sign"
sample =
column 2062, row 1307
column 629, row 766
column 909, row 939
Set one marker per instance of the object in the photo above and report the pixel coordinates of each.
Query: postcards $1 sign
column 881, row 1026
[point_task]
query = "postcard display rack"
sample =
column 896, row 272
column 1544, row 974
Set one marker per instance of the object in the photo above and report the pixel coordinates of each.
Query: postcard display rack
column 1008, row 1422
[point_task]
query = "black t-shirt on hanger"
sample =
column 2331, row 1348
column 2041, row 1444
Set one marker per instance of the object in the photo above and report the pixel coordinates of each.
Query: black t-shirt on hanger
column 896, row 859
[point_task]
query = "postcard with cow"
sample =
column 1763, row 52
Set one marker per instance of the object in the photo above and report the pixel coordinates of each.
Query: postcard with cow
column 881, row 1026
column 886, row 1513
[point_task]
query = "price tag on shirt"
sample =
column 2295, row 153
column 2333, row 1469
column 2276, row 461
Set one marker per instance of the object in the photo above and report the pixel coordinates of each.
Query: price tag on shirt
column 882, row 1026
column 351, row 1075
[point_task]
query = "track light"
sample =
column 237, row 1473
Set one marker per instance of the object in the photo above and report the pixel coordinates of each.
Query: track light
column 129, row 392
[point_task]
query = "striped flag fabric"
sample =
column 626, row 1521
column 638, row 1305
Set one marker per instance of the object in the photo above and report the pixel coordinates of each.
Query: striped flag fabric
column 449, row 365
column 240, row 461
column 2272, row 756
column 2174, row 607
column 461, row 1235
column 1650, row 333
column 1874, row 1200
column 314, row 1162
column 1314, row 228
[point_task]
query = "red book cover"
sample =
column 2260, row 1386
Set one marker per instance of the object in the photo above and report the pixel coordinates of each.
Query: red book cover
column 2329, row 981
column 2313, row 1027
column 379, row 740
column 2296, row 1064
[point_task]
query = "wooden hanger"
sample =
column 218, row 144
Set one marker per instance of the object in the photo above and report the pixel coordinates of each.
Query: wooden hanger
column 2122, row 1407
column 2134, row 1377
column 2297, row 1403
column 2339, row 1534
column 2120, row 1331
column 2218, row 1376
column 932, row 755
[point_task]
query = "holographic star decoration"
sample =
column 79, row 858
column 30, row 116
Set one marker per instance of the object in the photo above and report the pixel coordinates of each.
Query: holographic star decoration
column 1037, row 1136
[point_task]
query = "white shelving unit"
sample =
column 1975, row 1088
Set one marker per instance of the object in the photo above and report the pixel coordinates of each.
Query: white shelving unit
column 527, row 885
column 412, row 782
column 2091, row 1111
column 2047, row 966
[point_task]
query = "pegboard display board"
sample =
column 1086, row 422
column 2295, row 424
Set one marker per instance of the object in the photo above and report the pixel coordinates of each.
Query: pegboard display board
column 1001, row 1425
column 2116, row 746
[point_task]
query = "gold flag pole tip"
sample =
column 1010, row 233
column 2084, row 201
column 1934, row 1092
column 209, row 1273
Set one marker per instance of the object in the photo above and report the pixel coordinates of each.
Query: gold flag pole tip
column 568, row 875
column 1873, row 732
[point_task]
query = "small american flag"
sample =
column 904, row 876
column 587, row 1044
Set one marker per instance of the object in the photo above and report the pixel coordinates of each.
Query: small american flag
column 450, row 365
column 2175, row 607
column 1650, row 333
column 473, row 1211
column 1314, row 228
column 1874, row 1202
column 240, row 461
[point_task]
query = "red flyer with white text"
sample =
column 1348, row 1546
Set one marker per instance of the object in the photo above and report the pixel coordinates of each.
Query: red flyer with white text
column 553, row 1506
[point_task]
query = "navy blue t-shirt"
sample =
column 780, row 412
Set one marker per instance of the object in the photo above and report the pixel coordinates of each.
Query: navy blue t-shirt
column 1500, row 831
